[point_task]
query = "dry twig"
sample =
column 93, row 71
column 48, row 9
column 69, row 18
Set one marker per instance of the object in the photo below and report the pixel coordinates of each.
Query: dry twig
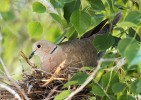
column 27, row 59
column 50, row 94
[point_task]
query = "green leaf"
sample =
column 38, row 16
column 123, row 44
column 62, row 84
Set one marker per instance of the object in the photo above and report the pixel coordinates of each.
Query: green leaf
column 87, row 68
column 134, row 17
column 70, row 83
column 96, row 19
column 134, row 86
column 126, row 97
column 110, row 4
column 92, row 98
column 97, row 90
column 35, row 29
column 60, row 38
column 108, row 63
column 124, row 43
column 126, row 24
column 62, row 95
column 138, row 87
column 80, row 77
column 81, row 21
column 130, row 49
column 117, row 39
column 133, row 54
column 70, row 7
column 97, row 4
column 118, row 87
column 70, row 32
column 38, row 7
column 9, row 15
column 103, row 42
column 124, row 1
column 119, row 6
column 4, row 5
column 109, row 78
column 73, row 36
column 66, row 1
column 132, row 33
column 59, row 3
column 56, row 17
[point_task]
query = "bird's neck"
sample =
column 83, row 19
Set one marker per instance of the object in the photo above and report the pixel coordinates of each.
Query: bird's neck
column 55, row 51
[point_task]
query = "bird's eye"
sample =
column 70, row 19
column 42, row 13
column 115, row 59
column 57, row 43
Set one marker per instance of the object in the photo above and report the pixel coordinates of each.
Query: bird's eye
column 39, row 46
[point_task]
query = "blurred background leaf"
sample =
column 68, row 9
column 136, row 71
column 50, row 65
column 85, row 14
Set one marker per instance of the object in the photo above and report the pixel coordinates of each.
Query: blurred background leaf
column 4, row 5
column 38, row 7
column 35, row 29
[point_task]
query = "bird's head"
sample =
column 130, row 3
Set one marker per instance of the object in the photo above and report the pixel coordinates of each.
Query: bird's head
column 42, row 48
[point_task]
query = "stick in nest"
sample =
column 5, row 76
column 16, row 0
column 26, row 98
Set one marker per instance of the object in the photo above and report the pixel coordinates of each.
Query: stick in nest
column 27, row 59
column 53, row 77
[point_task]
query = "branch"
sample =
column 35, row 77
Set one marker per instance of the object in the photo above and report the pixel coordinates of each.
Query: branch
column 13, row 82
column 93, row 74
column 48, row 6
column 27, row 60
column 16, row 95
column 51, row 92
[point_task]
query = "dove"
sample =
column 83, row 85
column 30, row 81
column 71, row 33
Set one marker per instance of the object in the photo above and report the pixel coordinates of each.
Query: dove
column 76, row 53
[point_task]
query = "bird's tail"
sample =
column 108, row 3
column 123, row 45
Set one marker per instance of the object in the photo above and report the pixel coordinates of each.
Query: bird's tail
column 103, row 27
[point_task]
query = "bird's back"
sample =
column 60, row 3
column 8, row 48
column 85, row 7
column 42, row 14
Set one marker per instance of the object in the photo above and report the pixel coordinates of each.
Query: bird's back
column 80, row 52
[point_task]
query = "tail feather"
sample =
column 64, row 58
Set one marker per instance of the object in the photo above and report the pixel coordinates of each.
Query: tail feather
column 95, row 29
column 103, row 27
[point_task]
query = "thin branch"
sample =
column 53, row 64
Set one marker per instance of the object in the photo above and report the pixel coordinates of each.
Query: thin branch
column 48, row 6
column 27, row 60
column 50, row 94
column 15, row 94
column 120, row 63
column 13, row 81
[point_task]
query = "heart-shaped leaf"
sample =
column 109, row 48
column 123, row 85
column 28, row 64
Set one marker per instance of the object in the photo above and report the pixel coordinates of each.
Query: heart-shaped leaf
column 35, row 29
column 103, row 42
column 81, row 21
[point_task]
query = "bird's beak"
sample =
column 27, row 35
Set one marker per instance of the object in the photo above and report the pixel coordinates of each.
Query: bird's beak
column 31, row 55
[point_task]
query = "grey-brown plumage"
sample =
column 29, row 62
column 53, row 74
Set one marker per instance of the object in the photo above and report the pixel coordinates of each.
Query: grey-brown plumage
column 80, row 52
column 77, row 52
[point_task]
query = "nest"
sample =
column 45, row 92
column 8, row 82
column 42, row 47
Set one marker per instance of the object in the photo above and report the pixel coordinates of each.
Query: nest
column 39, row 85
column 32, row 84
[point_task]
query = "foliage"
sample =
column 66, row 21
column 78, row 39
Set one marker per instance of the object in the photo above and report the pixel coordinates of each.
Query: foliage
column 20, row 27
